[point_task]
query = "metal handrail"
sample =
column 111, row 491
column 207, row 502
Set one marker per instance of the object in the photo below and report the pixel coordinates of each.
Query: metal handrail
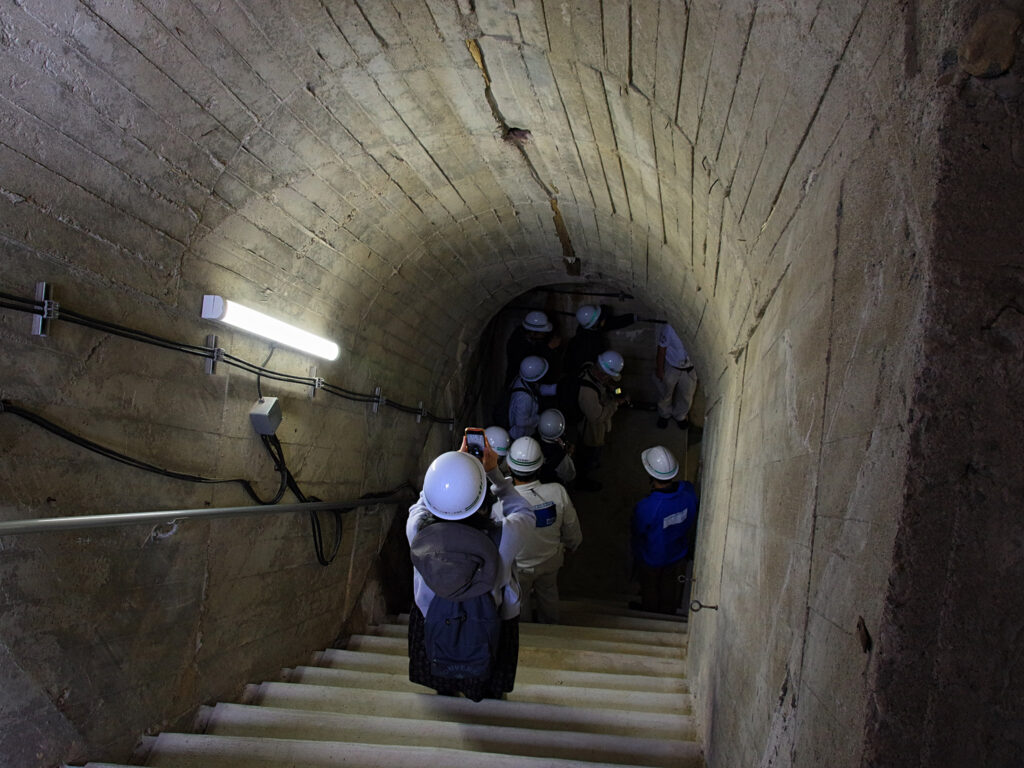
column 48, row 524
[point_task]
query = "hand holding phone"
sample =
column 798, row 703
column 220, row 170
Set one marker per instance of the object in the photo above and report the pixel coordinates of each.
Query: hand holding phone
column 475, row 441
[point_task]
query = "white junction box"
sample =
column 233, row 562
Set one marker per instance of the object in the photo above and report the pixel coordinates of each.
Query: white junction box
column 266, row 415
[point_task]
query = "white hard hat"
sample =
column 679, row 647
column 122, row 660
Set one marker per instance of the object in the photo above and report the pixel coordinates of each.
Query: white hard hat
column 533, row 368
column 588, row 315
column 552, row 425
column 660, row 463
column 498, row 438
column 611, row 362
column 455, row 485
column 525, row 456
column 537, row 322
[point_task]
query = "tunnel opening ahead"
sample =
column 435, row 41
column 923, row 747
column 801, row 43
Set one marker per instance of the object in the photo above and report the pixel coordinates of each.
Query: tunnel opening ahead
column 601, row 568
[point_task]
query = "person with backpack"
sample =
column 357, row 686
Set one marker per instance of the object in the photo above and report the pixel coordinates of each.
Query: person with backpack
column 662, row 530
column 555, row 529
column 524, row 397
column 464, row 621
column 598, row 401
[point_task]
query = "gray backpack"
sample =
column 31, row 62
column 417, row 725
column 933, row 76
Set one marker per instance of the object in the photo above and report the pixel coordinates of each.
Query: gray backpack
column 460, row 564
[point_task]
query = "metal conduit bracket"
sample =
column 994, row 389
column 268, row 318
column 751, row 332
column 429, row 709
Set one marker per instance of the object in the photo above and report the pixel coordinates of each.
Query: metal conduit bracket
column 419, row 416
column 318, row 382
column 379, row 400
column 51, row 310
column 216, row 355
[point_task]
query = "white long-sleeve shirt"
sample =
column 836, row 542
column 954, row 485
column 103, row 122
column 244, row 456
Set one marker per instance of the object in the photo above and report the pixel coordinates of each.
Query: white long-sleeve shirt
column 553, row 525
column 514, row 527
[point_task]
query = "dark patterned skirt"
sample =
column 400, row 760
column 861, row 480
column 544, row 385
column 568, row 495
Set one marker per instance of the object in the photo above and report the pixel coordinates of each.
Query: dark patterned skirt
column 503, row 672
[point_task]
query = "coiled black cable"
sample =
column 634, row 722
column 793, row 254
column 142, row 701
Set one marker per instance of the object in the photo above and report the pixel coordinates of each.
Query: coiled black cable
column 276, row 451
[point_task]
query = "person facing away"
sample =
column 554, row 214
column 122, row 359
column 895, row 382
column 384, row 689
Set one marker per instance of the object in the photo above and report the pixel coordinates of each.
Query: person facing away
column 662, row 529
column 597, row 402
column 676, row 379
column 524, row 396
column 454, row 489
column 558, row 466
column 555, row 529
column 591, row 337
column 534, row 336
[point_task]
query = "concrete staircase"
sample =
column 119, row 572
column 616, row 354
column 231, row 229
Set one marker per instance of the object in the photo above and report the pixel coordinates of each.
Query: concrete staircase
column 607, row 687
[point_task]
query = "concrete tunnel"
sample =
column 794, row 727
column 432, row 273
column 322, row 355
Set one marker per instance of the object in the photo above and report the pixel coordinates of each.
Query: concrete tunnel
column 823, row 198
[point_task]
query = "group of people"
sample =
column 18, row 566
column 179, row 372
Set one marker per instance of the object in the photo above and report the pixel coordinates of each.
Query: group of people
column 577, row 387
column 480, row 563
column 494, row 520
column 581, row 384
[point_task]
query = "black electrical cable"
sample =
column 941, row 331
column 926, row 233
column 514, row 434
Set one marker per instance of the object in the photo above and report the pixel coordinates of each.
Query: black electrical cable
column 7, row 407
column 128, row 334
column 276, row 451
column 568, row 292
column 131, row 333
column 25, row 305
column 259, row 390
column 274, row 448
column 34, row 307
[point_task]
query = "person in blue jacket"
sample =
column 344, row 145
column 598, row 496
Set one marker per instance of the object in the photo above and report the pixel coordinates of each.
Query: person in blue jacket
column 662, row 532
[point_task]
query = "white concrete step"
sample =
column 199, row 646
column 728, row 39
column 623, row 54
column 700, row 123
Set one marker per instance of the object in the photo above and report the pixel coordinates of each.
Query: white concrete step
column 399, row 665
column 564, row 695
column 578, row 614
column 241, row 720
column 176, row 750
column 550, row 658
column 489, row 712
column 663, row 644
column 608, row 691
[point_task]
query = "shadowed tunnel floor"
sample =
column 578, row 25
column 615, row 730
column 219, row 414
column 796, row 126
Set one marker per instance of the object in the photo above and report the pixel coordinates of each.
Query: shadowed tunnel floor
column 600, row 568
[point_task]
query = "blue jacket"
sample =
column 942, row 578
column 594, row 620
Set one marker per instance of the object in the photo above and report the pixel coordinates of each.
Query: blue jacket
column 662, row 524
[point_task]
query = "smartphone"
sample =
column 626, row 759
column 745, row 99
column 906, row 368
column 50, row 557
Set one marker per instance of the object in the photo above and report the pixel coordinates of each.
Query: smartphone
column 475, row 441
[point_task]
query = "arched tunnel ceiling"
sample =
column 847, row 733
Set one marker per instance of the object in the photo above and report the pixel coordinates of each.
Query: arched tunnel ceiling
column 426, row 158
column 390, row 170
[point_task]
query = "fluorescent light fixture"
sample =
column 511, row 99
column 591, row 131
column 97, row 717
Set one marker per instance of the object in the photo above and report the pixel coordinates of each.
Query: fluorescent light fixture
column 240, row 316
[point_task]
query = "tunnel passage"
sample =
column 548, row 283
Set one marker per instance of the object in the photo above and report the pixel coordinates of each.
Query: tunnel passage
column 601, row 568
column 787, row 184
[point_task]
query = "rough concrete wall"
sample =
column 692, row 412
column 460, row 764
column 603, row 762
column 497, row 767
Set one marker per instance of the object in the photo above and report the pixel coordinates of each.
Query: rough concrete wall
column 960, row 549
column 827, row 206
column 144, row 161
column 747, row 170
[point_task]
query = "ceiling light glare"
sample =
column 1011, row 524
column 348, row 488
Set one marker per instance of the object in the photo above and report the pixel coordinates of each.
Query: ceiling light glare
column 246, row 319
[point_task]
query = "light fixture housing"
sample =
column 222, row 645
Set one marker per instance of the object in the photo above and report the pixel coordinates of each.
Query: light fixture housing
column 247, row 319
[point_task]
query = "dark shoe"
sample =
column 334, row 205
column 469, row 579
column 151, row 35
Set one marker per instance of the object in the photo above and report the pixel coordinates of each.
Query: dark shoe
column 662, row 423
column 684, row 424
